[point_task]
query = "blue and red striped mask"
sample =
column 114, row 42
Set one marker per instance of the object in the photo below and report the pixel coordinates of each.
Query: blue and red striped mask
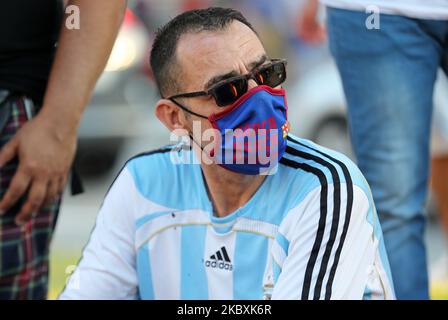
column 253, row 131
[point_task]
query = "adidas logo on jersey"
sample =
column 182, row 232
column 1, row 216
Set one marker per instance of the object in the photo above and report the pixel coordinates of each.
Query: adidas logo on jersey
column 219, row 260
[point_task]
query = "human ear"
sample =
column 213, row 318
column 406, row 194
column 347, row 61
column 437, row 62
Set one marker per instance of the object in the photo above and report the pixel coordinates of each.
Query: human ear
column 170, row 115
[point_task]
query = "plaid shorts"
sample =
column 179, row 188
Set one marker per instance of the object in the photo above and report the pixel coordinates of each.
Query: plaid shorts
column 24, row 251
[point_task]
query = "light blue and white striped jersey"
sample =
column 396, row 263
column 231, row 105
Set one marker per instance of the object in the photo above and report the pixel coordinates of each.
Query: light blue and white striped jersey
column 309, row 232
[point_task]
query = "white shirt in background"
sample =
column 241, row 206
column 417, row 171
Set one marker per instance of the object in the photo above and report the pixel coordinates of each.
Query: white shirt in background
column 420, row 9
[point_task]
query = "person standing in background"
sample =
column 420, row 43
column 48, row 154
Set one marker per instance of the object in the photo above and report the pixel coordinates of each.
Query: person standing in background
column 388, row 68
column 439, row 188
column 439, row 162
column 43, row 92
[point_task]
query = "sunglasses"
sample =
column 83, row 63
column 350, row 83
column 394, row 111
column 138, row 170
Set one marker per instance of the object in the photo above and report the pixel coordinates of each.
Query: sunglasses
column 228, row 91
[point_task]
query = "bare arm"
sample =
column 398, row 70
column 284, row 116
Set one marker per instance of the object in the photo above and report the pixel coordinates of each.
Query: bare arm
column 309, row 28
column 46, row 145
column 80, row 59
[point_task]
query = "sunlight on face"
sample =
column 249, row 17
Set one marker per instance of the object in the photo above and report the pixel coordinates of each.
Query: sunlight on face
column 205, row 55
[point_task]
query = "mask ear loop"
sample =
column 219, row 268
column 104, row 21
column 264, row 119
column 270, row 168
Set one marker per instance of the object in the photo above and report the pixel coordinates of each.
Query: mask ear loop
column 193, row 113
column 187, row 110
column 192, row 139
column 212, row 153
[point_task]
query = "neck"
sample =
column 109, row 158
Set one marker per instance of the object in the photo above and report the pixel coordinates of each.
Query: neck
column 227, row 190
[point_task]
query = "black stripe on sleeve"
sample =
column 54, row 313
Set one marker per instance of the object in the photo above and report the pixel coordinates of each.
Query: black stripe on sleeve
column 321, row 225
column 335, row 218
column 349, row 183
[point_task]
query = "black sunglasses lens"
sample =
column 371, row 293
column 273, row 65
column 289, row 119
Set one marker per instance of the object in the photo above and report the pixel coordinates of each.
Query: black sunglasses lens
column 272, row 75
column 227, row 93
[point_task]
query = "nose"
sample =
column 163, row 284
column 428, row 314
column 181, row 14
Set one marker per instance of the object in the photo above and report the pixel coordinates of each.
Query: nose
column 251, row 84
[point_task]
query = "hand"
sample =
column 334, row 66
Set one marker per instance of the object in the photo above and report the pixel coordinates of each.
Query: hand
column 45, row 152
column 309, row 28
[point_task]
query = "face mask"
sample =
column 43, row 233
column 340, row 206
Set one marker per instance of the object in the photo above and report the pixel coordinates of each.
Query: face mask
column 252, row 131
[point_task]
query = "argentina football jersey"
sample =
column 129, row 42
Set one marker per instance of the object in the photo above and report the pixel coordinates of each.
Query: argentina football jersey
column 309, row 232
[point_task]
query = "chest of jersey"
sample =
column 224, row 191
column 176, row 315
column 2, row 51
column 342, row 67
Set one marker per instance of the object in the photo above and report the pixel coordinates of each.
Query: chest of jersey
column 181, row 258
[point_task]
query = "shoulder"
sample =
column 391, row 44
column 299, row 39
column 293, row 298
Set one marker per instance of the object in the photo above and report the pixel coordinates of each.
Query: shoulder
column 335, row 188
column 158, row 175
column 143, row 165
column 317, row 162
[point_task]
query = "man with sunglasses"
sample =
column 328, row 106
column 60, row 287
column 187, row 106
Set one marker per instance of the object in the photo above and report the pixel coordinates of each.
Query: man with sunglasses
column 241, row 209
